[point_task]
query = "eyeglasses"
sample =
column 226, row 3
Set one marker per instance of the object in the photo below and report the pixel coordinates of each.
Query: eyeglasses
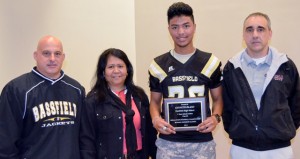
column 48, row 54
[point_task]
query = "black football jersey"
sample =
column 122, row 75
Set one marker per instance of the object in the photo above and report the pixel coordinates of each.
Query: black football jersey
column 191, row 79
column 194, row 78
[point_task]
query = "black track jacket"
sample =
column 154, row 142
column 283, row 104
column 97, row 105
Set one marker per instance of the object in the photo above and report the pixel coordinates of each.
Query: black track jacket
column 39, row 117
column 275, row 123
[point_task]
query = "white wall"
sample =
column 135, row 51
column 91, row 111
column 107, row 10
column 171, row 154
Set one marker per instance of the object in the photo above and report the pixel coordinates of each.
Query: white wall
column 86, row 28
column 139, row 28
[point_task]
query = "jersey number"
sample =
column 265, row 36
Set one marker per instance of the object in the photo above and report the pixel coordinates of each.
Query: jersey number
column 194, row 91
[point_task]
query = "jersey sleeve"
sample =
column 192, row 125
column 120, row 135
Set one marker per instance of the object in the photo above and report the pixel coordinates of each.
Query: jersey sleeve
column 88, row 131
column 216, row 77
column 212, row 70
column 156, row 76
column 10, row 123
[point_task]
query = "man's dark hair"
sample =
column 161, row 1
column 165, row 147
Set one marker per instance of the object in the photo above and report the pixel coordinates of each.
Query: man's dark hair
column 257, row 14
column 179, row 9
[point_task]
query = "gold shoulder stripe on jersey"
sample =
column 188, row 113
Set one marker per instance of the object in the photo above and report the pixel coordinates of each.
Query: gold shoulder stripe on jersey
column 156, row 71
column 210, row 66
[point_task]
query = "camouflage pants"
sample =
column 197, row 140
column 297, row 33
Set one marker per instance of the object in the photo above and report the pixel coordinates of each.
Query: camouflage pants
column 183, row 150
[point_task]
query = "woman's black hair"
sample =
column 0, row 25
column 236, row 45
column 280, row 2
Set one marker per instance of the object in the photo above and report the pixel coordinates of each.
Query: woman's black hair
column 101, row 88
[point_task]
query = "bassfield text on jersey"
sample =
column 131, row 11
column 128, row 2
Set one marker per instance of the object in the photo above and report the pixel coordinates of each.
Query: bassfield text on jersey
column 54, row 109
column 185, row 78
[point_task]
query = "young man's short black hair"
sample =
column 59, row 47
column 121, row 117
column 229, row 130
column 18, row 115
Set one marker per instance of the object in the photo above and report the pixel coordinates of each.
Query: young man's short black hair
column 179, row 9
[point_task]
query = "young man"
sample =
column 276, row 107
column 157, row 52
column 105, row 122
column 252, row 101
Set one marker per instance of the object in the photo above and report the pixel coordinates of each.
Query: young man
column 185, row 72
column 40, row 110
column 261, row 96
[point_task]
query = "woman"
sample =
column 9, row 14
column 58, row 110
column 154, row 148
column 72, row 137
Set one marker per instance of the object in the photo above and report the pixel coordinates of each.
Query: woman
column 116, row 122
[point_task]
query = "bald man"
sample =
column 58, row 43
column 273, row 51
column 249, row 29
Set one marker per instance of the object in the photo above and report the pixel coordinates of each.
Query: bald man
column 40, row 110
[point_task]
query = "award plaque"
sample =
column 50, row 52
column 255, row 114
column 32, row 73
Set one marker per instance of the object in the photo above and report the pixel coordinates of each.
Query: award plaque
column 185, row 114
